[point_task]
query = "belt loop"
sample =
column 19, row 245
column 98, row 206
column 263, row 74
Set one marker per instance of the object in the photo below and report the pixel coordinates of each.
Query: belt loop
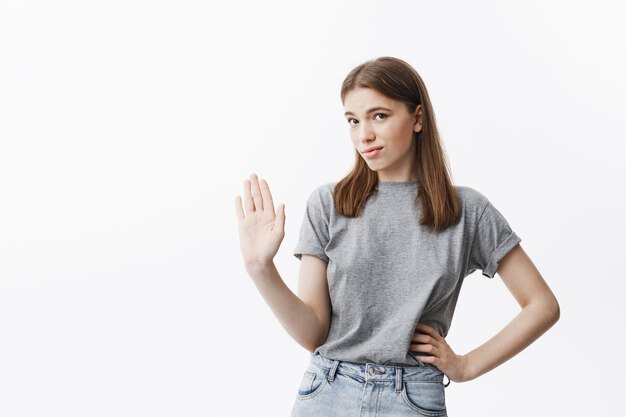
column 333, row 370
column 398, row 379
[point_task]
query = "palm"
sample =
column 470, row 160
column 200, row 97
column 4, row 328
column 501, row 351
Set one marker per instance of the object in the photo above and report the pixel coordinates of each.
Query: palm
column 261, row 230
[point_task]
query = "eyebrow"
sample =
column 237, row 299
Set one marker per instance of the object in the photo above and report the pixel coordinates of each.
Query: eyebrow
column 373, row 109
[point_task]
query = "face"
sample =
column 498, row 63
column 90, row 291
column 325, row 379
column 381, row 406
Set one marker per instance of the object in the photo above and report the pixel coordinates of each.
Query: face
column 377, row 121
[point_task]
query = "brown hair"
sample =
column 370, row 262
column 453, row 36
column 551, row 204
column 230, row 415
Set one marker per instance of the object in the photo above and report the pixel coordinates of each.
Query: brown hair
column 437, row 195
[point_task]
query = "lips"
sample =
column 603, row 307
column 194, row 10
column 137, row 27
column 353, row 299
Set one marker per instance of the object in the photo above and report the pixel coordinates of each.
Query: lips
column 373, row 153
column 371, row 149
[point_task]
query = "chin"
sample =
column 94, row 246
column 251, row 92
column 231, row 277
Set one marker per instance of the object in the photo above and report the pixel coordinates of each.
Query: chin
column 376, row 168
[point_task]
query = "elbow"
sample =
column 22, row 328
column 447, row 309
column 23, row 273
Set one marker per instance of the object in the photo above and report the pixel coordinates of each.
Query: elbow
column 548, row 310
column 556, row 311
column 313, row 344
column 316, row 343
column 552, row 310
column 309, row 346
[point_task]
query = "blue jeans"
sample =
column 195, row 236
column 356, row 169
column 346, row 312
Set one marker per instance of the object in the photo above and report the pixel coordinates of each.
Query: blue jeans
column 333, row 388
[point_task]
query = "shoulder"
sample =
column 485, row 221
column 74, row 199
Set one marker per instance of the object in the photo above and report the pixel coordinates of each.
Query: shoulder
column 478, row 208
column 472, row 200
column 324, row 191
column 322, row 195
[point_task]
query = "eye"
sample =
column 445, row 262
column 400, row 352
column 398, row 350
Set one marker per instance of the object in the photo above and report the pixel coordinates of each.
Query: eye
column 349, row 119
column 382, row 114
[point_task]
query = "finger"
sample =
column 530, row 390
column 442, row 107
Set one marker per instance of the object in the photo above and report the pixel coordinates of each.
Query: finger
column 280, row 224
column 422, row 338
column 247, row 197
column 424, row 348
column 428, row 330
column 423, row 326
column 427, row 359
column 239, row 209
column 268, row 203
column 256, row 192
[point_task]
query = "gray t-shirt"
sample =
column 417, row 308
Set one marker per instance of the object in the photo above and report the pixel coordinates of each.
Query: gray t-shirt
column 386, row 272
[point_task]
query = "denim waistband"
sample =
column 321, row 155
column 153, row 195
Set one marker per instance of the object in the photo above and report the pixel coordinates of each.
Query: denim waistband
column 376, row 372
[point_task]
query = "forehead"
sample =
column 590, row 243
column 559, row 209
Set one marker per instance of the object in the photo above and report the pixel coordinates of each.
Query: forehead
column 360, row 99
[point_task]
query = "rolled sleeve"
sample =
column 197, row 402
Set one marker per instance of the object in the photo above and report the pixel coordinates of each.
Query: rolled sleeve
column 493, row 239
column 314, row 235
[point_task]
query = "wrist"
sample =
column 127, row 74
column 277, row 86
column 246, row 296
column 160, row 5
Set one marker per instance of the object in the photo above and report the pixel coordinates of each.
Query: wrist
column 468, row 370
column 259, row 267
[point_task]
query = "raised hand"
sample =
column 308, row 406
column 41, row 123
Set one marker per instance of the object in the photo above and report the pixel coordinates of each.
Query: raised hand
column 426, row 340
column 261, row 230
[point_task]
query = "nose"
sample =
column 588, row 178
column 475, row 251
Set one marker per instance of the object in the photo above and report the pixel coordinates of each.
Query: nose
column 366, row 134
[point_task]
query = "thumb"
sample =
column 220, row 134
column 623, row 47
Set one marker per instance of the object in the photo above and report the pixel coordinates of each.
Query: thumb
column 280, row 216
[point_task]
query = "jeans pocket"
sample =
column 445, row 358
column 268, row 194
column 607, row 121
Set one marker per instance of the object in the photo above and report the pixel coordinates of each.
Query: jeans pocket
column 314, row 379
column 427, row 398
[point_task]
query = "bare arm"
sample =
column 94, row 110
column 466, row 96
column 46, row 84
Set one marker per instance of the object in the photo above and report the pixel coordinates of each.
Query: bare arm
column 261, row 230
column 304, row 324
column 540, row 311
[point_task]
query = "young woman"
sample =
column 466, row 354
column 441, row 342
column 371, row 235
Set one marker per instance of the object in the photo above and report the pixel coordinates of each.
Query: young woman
column 384, row 252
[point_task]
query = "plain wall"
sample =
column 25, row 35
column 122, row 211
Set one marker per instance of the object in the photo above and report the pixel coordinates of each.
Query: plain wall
column 128, row 127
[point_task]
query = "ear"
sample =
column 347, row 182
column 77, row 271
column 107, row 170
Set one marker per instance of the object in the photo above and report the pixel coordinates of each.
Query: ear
column 418, row 116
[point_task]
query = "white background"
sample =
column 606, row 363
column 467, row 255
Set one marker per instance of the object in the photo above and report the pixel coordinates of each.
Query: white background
column 127, row 129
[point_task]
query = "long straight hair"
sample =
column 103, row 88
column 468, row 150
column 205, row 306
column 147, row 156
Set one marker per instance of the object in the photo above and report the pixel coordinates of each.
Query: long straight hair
column 436, row 194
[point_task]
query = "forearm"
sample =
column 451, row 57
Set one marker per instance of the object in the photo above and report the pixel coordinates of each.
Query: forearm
column 295, row 316
column 534, row 320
